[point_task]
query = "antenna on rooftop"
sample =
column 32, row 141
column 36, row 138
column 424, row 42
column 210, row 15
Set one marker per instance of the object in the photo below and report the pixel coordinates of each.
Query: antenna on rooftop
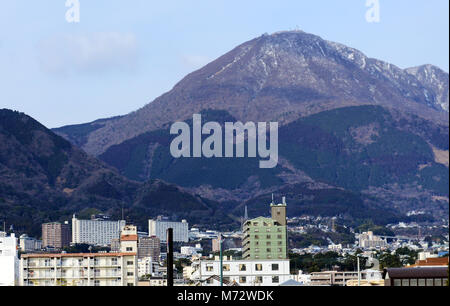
column 273, row 202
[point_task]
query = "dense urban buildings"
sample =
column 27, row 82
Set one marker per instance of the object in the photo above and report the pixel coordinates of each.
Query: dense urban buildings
column 97, row 231
column 99, row 269
column 9, row 263
column 266, row 238
column 159, row 228
column 55, row 235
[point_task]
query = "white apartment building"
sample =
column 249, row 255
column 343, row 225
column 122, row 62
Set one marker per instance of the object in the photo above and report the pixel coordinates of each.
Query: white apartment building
column 96, row 232
column 102, row 269
column 90, row 269
column 29, row 244
column 9, row 262
column 241, row 272
column 368, row 240
column 159, row 228
column 189, row 250
column 146, row 266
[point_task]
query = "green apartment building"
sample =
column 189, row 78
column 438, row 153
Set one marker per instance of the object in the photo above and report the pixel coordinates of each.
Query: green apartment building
column 266, row 238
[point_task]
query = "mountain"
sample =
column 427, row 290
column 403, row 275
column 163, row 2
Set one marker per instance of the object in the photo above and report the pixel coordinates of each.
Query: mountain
column 279, row 77
column 347, row 122
column 43, row 178
column 435, row 80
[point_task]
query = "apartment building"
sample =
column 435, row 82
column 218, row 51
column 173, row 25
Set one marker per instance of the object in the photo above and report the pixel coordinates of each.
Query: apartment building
column 146, row 266
column 266, row 238
column 241, row 272
column 55, row 235
column 149, row 247
column 29, row 244
column 159, row 228
column 9, row 262
column 100, row 269
column 97, row 231
column 342, row 278
column 368, row 240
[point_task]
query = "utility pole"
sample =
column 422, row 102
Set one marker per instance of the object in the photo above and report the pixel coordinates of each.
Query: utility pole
column 221, row 260
column 170, row 257
column 359, row 272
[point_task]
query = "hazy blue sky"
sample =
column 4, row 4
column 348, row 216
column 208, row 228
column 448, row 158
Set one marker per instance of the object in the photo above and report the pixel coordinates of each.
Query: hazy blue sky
column 123, row 54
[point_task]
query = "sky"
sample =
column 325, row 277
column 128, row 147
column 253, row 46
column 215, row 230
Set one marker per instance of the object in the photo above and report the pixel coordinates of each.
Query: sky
column 123, row 54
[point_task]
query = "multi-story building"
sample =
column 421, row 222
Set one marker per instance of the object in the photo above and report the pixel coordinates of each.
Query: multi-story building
column 55, row 235
column 227, row 243
column 149, row 247
column 29, row 244
column 266, row 238
column 191, row 250
column 241, row 272
column 368, row 240
column 146, row 266
column 159, row 228
column 9, row 262
column 101, row 269
column 342, row 278
column 90, row 269
column 97, row 231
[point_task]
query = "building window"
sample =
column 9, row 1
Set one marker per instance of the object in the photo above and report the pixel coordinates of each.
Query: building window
column 275, row 267
column 422, row 282
column 269, row 250
column 438, row 282
column 96, row 283
column 269, row 237
column 129, row 249
column 226, row 268
column 130, row 263
column 130, row 273
column 258, row 267
column 130, row 285
column 209, row 268
column 259, row 280
column 242, row 267
column 280, row 237
column 430, row 282
column 242, row 279
column 256, row 237
column 413, row 282
column 275, row 279
column 268, row 243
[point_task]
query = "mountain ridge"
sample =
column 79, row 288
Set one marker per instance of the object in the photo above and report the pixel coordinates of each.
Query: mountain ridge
column 279, row 77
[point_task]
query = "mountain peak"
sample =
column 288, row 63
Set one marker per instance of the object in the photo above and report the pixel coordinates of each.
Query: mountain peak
column 279, row 77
